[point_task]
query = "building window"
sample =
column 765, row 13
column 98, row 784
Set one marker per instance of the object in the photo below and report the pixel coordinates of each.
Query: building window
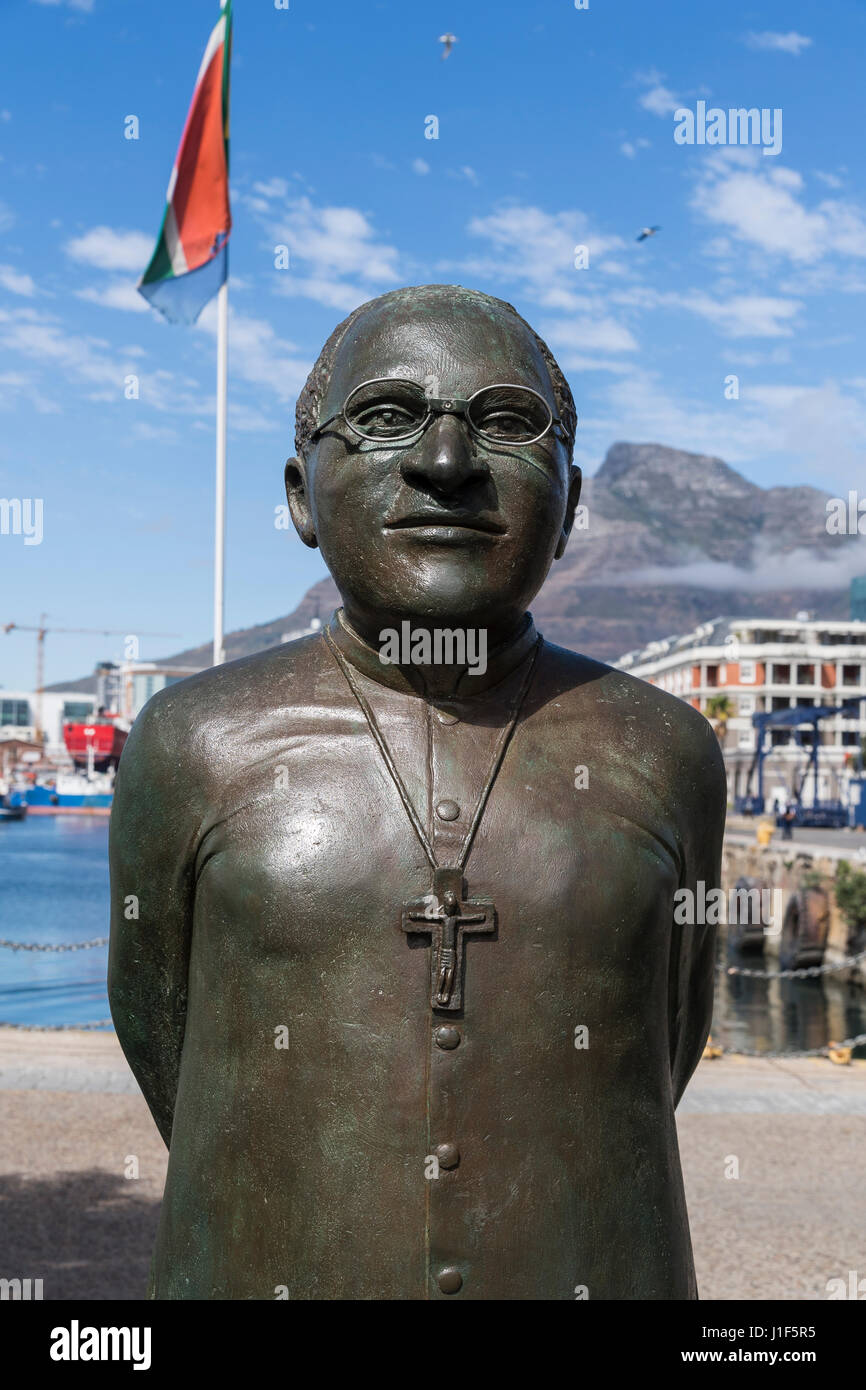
column 712, row 676
column 805, row 675
column 77, row 710
column 15, row 712
column 781, row 675
column 850, row 675
column 747, row 672
column 747, row 704
column 746, row 740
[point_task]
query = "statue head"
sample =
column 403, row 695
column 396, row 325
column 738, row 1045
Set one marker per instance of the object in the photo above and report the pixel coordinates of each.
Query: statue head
column 434, row 441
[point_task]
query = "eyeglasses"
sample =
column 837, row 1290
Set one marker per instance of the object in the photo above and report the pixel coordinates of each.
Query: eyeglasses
column 389, row 410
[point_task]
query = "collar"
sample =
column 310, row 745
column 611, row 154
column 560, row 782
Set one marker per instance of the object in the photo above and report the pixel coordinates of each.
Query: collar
column 501, row 661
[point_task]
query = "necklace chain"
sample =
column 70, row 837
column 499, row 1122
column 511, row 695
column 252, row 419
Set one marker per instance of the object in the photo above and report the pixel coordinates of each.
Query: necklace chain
column 496, row 763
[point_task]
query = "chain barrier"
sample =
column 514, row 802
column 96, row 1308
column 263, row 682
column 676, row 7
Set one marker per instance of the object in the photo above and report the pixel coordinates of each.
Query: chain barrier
column 57, row 1027
column 808, row 972
column 71, row 946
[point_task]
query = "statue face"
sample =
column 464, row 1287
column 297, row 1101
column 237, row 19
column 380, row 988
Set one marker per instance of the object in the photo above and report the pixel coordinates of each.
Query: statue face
column 448, row 527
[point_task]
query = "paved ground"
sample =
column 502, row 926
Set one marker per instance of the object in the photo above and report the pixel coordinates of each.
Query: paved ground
column 742, row 828
column 71, row 1119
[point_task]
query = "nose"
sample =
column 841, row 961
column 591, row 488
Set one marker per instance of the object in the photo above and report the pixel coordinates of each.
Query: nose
column 445, row 458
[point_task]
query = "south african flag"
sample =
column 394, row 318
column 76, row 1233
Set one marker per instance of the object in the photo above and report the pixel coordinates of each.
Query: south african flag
column 190, row 262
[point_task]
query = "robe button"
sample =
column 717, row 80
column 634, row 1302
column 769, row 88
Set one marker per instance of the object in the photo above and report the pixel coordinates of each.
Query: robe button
column 446, row 1037
column 449, row 1279
column 448, row 810
column 448, row 1155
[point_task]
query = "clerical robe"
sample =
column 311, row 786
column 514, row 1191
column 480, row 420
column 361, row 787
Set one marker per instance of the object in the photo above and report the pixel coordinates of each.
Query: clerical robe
column 332, row 1134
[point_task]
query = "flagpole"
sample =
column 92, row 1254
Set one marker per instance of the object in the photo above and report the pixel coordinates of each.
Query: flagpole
column 220, row 510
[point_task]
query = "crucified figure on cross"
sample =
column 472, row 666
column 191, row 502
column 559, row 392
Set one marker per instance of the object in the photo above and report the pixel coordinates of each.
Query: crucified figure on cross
column 447, row 927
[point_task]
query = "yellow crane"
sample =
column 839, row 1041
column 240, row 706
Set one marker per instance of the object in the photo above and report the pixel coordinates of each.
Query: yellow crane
column 42, row 631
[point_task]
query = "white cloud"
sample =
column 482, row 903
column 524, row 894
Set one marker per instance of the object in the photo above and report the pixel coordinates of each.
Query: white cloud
column 42, row 338
column 791, row 42
column 274, row 188
column 120, row 294
column 7, row 217
column 85, row 6
column 420, row 166
column 831, row 180
column 464, row 172
column 258, row 355
column 660, row 100
column 818, row 432
column 14, row 282
column 108, row 249
column 336, row 256
column 746, row 315
column 761, row 207
column 590, row 335
column 536, row 249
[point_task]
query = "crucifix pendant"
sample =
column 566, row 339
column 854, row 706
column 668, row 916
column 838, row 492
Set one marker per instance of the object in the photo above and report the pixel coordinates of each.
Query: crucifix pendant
column 448, row 917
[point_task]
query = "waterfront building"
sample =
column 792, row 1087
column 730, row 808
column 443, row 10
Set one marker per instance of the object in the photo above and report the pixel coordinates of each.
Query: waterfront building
column 138, row 680
column 18, row 715
column 733, row 668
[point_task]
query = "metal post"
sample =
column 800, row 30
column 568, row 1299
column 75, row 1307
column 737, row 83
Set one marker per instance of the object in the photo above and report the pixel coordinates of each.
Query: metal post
column 220, row 514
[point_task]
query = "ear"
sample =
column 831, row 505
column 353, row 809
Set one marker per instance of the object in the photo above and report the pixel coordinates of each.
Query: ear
column 570, row 508
column 298, row 499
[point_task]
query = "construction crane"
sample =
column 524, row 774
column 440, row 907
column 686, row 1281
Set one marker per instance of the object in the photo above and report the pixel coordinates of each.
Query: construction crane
column 42, row 631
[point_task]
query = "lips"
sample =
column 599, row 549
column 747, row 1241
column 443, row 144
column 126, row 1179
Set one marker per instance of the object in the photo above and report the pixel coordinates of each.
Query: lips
column 463, row 521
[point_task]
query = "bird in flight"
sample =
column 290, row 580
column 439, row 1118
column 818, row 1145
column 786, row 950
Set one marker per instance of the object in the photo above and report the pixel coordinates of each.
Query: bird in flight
column 448, row 40
column 648, row 232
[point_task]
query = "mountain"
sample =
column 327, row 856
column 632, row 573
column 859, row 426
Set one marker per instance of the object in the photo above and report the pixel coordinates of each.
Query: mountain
column 667, row 540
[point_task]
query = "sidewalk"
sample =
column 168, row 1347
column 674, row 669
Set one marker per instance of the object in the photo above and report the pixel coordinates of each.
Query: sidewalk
column 71, row 1118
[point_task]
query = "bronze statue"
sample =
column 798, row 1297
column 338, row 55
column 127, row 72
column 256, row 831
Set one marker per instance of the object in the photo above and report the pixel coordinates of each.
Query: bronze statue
column 394, row 956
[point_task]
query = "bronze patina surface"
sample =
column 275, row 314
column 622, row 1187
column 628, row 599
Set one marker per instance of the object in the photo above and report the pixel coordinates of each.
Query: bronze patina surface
column 386, row 1067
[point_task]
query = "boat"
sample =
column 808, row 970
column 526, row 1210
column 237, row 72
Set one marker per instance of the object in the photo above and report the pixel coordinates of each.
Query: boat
column 12, row 804
column 96, row 745
column 72, row 794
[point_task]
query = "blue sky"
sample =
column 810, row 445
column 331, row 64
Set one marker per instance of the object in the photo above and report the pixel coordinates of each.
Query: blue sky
column 555, row 130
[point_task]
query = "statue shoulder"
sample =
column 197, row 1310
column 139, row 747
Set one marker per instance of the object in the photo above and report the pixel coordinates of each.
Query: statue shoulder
column 193, row 725
column 624, row 707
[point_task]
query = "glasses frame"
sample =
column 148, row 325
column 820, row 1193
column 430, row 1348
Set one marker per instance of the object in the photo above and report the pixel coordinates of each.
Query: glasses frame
column 444, row 405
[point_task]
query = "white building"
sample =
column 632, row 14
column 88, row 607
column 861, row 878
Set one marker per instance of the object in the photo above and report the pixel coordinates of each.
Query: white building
column 732, row 668
column 18, row 715
column 139, row 680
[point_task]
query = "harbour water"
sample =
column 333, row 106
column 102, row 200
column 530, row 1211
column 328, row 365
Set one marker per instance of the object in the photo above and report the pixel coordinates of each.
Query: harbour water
column 54, row 888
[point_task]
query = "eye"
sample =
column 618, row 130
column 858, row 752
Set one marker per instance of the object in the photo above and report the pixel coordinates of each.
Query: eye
column 510, row 414
column 507, row 424
column 385, row 419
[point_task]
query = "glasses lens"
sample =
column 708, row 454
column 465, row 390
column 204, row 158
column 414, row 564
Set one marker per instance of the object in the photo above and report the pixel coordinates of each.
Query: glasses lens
column 509, row 414
column 386, row 409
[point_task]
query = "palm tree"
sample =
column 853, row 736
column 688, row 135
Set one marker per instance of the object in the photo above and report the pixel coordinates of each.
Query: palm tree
column 719, row 710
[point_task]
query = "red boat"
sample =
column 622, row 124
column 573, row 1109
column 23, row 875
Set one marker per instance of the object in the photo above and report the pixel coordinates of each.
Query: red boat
column 97, row 745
